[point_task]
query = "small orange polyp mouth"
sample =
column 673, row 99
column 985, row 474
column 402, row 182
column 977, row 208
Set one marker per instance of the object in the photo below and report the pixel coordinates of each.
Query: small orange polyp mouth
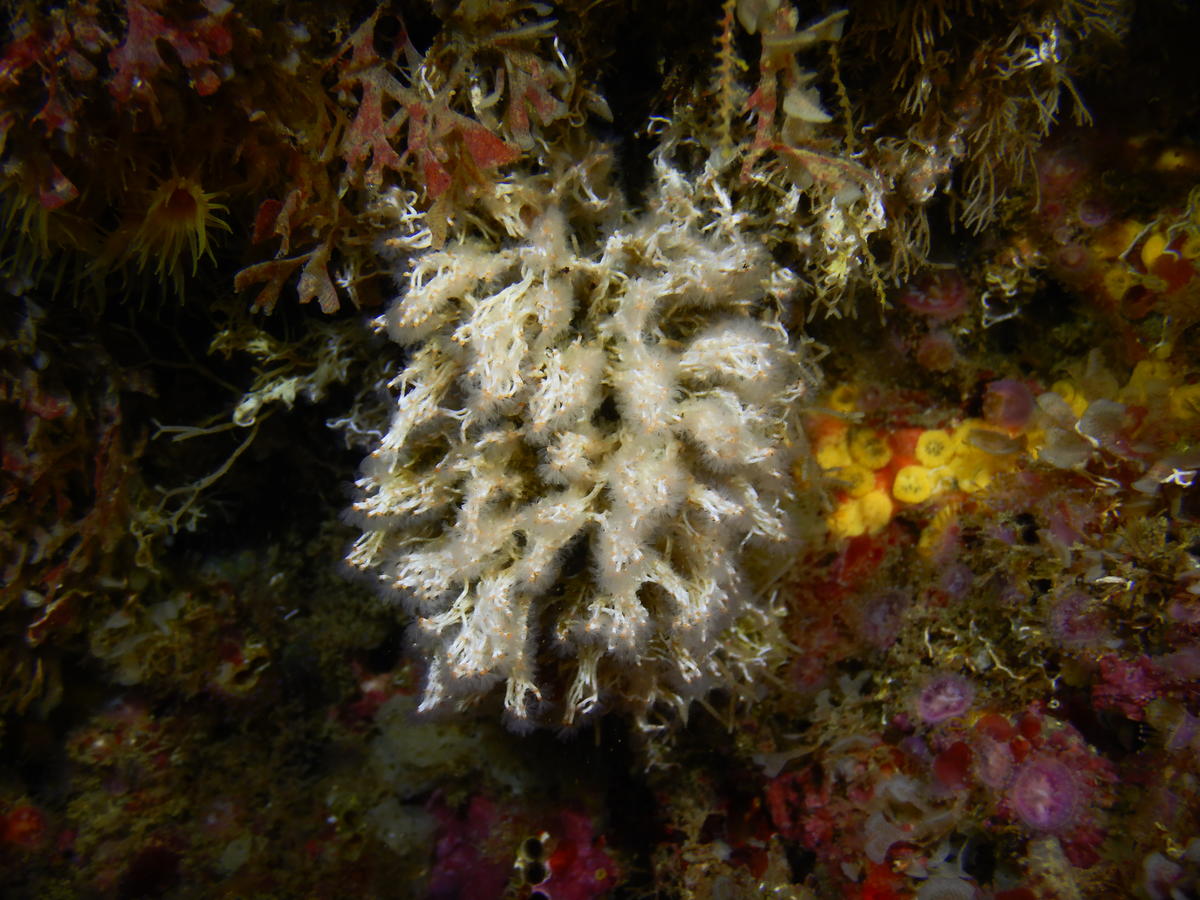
column 181, row 204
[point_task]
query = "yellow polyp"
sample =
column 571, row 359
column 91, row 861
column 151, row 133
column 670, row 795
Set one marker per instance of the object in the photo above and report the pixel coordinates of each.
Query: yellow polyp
column 1154, row 247
column 869, row 449
column 929, row 537
column 1190, row 249
column 932, row 534
column 1150, row 370
column 1116, row 240
column 1074, row 397
column 1185, row 401
column 1035, row 439
column 973, row 474
column 833, row 452
column 962, row 436
column 173, row 233
column 843, row 398
column 1066, row 390
column 913, row 484
column 875, row 510
column 856, row 480
column 1173, row 159
column 847, row 520
column 1118, row 280
column 1149, row 379
column 935, row 447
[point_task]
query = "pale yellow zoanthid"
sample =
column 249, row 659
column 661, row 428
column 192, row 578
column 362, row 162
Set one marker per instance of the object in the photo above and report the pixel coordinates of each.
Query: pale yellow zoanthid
column 935, row 447
column 1114, row 241
column 913, row 484
column 1154, row 247
column 875, row 509
column 869, row 449
column 937, row 526
column 843, row 398
column 833, row 451
column 1150, row 379
column 1185, row 401
column 847, row 520
column 972, row 472
column 856, row 480
column 1174, row 159
column 1074, row 397
column 1118, row 280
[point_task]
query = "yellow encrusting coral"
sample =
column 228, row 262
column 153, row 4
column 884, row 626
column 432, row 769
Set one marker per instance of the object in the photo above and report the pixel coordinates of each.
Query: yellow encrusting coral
column 874, row 471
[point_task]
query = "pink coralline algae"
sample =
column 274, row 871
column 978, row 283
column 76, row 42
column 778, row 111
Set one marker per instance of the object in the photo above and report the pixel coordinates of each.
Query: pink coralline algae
column 936, row 352
column 475, row 847
column 579, row 868
column 944, row 697
column 1045, row 795
column 1093, row 212
column 882, row 616
column 1127, row 686
column 463, row 867
column 1075, row 621
column 1008, row 403
column 940, row 296
column 993, row 762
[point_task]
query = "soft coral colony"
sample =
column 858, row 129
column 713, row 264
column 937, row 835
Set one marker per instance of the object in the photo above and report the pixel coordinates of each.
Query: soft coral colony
column 594, row 427
column 836, row 388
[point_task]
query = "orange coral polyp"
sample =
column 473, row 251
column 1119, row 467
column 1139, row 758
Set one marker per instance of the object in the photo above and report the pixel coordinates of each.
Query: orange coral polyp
column 181, row 203
column 176, row 227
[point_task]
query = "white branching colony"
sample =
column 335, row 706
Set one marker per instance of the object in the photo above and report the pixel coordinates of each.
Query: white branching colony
column 594, row 424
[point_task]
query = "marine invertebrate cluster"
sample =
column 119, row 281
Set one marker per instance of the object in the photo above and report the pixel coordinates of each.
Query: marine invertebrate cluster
column 969, row 629
column 59, row 118
column 442, row 122
column 592, row 425
column 872, row 470
column 978, row 92
column 69, row 489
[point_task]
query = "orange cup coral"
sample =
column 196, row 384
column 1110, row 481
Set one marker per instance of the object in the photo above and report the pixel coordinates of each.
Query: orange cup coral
column 175, row 229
